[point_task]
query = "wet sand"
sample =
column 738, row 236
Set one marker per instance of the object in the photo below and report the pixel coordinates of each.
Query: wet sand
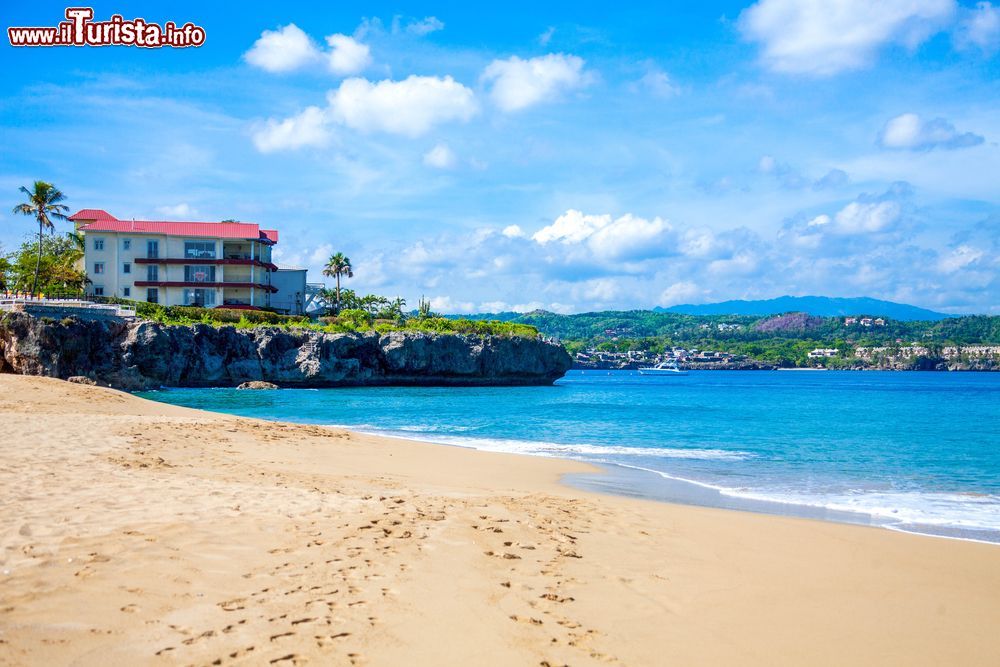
column 133, row 532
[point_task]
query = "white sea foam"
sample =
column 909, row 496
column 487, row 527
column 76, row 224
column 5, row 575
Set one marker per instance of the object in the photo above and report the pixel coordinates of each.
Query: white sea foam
column 906, row 508
column 958, row 510
column 903, row 509
column 542, row 448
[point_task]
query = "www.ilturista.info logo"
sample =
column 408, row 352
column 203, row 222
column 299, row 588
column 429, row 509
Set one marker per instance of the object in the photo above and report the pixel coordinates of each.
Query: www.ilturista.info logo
column 81, row 30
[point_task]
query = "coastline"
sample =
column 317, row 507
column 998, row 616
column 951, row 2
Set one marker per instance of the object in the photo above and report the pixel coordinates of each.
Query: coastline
column 636, row 482
column 271, row 541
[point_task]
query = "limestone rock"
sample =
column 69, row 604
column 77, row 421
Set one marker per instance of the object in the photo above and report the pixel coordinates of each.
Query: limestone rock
column 146, row 355
column 257, row 384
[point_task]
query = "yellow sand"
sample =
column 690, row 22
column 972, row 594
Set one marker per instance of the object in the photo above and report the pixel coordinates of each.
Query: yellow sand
column 139, row 533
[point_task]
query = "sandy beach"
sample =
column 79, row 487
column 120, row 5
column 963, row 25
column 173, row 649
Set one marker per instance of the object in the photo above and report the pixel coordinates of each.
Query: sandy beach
column 136, row 533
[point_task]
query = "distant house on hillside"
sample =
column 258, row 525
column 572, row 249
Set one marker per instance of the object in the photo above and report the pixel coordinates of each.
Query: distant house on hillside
column 848, row 321
column 208, row 264
column 866, row 321
column 879, row 322
column 822, row 352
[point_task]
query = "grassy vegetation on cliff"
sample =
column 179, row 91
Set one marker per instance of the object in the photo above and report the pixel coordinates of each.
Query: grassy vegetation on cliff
column 349, row 321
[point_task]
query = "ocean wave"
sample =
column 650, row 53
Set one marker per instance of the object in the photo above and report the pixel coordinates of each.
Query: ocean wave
column 907, row 510
column 543, row 448
column 923, row 508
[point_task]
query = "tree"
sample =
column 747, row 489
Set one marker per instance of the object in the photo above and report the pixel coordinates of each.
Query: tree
column 339, row 265
column 57, row 270
column 4, row 270
column 43, row 203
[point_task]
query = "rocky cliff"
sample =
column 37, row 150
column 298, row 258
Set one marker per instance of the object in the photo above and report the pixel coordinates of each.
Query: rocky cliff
column 139, row 355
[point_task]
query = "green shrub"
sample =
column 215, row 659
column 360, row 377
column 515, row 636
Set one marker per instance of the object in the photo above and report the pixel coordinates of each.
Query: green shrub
column 356, row 317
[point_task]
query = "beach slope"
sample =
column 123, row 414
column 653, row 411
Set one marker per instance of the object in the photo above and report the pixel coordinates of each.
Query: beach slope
column 133, row 532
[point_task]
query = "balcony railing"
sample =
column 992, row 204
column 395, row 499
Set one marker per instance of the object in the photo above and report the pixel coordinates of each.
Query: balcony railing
column 202, row 284
column 215, row 262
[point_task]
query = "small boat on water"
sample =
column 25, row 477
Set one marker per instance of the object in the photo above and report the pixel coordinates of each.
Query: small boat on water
column 663, row 368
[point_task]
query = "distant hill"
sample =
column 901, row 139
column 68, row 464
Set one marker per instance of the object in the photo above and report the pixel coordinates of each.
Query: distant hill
column 819, row 306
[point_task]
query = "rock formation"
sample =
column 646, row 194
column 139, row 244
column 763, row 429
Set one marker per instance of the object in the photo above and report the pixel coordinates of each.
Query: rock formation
column 141, row 355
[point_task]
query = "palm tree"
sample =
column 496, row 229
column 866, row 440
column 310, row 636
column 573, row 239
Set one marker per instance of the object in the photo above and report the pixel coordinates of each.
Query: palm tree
column 339, row 265
column 43, row 203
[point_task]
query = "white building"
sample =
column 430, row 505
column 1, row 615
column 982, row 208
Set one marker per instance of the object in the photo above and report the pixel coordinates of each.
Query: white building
column 206, row 264
column 823, row 352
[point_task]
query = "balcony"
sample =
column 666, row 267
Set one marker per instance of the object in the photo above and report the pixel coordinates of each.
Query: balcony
column 197, row 283
column 241, row 261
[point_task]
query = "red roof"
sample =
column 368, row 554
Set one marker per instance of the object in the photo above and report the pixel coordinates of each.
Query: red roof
column 92, row 214
column 225, row 230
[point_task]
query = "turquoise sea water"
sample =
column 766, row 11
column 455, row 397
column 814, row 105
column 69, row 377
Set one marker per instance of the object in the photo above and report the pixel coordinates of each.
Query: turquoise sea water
column 915, row 451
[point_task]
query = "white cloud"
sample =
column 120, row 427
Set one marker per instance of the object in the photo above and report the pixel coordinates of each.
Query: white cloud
column 632, row 238
column 282, row 50
column 179, row 211
column 767, row 164
column 518, row 84
column 602, row 290
column 307, row 128
column 910, row 131
column 866, row 217
column 571, row 227
column 347, row 55
column 440, row 157
column 628, row 238
column 546, row 36
column 289, row 48
column 679, row 292
column 959, row 258
column 834, row 178
column 321, row 254
column 513, row 232
column 741, row 264
column 658, row 83
column 445, row 304
column 410, row 107
column 824, row 37
column 425, row 26
column 980, row 28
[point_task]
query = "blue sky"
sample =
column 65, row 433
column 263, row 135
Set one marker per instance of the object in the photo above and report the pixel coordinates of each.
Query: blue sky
column 560, row 156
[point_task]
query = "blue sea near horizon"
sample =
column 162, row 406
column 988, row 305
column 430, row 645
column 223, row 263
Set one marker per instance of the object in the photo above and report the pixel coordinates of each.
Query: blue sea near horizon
column 911, row 451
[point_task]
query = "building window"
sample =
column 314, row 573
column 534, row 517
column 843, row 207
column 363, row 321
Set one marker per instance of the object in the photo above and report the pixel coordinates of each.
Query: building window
column 199, row 249
column 204, row 298
column 98, row 268
column 199, row 274
column 126, row 292
column 98, row 244
column 126, row 244
column 98, row 290
column 153, row 295
column 152, row 273
column 127, row 267
column 152, row 249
